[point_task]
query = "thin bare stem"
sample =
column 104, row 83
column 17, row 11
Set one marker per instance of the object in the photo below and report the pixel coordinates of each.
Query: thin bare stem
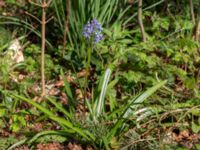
column 43, row 47
column 192, row 11
column 25, row 45
column 48, row 3
column 165, row 5
column 49, row 19
column 197, row 37
column 43, row 22
column 66, row 26
column 33, row 16
column 133, row 142
column 140, row 20
column 33, row 3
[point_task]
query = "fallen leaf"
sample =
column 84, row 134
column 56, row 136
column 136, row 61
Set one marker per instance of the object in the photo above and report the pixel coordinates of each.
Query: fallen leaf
column 71, row 146
column 21, row 76
column 89, row 147
column 53, row 92
column 17, row 53
column 82, row 73
column 79, row 94
column 63, row 98
column 18, row 57
column 184, row 134
column 61, row 82
column 22, row 148
column 50, row 146
column 2, row 3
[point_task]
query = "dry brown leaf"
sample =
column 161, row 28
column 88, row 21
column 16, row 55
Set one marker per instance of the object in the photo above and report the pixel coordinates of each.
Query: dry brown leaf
column 18, row 57
column 50, row 146
column 70, row 78
column 89, row 148
column 2, row 3
column 130, row 2
column 63, row 98
column 89, row 95
column 79, row 94
column 27, row 117
column 35, row 98
column 34, row 89
column 187, row 144
column 22, row 148
column 194, row 137
column 37, row 127
column 4, row 133
column 21, row 77
column 186, row 139
column 71, row 146
column 82, row 73
column 61, row 82
column 53, row 91
column 184, row 134
column 16, row 47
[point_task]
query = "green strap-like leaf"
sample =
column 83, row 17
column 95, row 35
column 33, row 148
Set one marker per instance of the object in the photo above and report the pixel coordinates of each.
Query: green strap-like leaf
column 59, row 120
column 100, row 103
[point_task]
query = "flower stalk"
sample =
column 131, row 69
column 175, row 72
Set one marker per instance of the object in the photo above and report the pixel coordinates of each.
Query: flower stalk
column 92, row 32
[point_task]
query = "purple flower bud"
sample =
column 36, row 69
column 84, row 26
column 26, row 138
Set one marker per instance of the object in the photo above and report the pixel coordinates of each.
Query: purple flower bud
column 92, row 30
column 87, row 30
column 97, row 25
column 98, row 37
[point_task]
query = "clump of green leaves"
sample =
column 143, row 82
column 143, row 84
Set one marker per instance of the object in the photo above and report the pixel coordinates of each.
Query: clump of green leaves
column 97, row 110
column 5, row 37
column 6, row 69
column 32, row 55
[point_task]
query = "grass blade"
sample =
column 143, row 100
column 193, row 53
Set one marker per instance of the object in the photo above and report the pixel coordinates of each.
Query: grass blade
column 59, row 120
column 17, row 144
column 100, row 102
column 133, row 105
column 140, row 99
column 60, row 108
column 38, row 135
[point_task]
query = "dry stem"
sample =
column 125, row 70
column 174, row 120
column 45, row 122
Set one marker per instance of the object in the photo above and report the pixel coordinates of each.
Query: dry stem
column 43, row 22
column 192, row 11
column 140, row 20
column 66, row 28
column 43, row 47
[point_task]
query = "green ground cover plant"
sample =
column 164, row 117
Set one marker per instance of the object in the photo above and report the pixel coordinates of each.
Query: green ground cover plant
column 118, row 74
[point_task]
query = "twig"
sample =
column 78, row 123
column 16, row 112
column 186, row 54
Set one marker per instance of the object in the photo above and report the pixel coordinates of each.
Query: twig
column 140, row 20
column 165, row 5
column 33, row 3
column 197, row 36
column 188, row 111
column 48, row 3
column 136, row 13
column 49, row 19
column 33, row 16
column 171, row 112
column 25, row 45
column 66, row 28
column 43, row 22
column 135, row 142
column 192, row 11
column 43, row 47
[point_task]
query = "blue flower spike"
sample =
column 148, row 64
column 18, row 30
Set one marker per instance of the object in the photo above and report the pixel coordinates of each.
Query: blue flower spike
column 92, row 31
